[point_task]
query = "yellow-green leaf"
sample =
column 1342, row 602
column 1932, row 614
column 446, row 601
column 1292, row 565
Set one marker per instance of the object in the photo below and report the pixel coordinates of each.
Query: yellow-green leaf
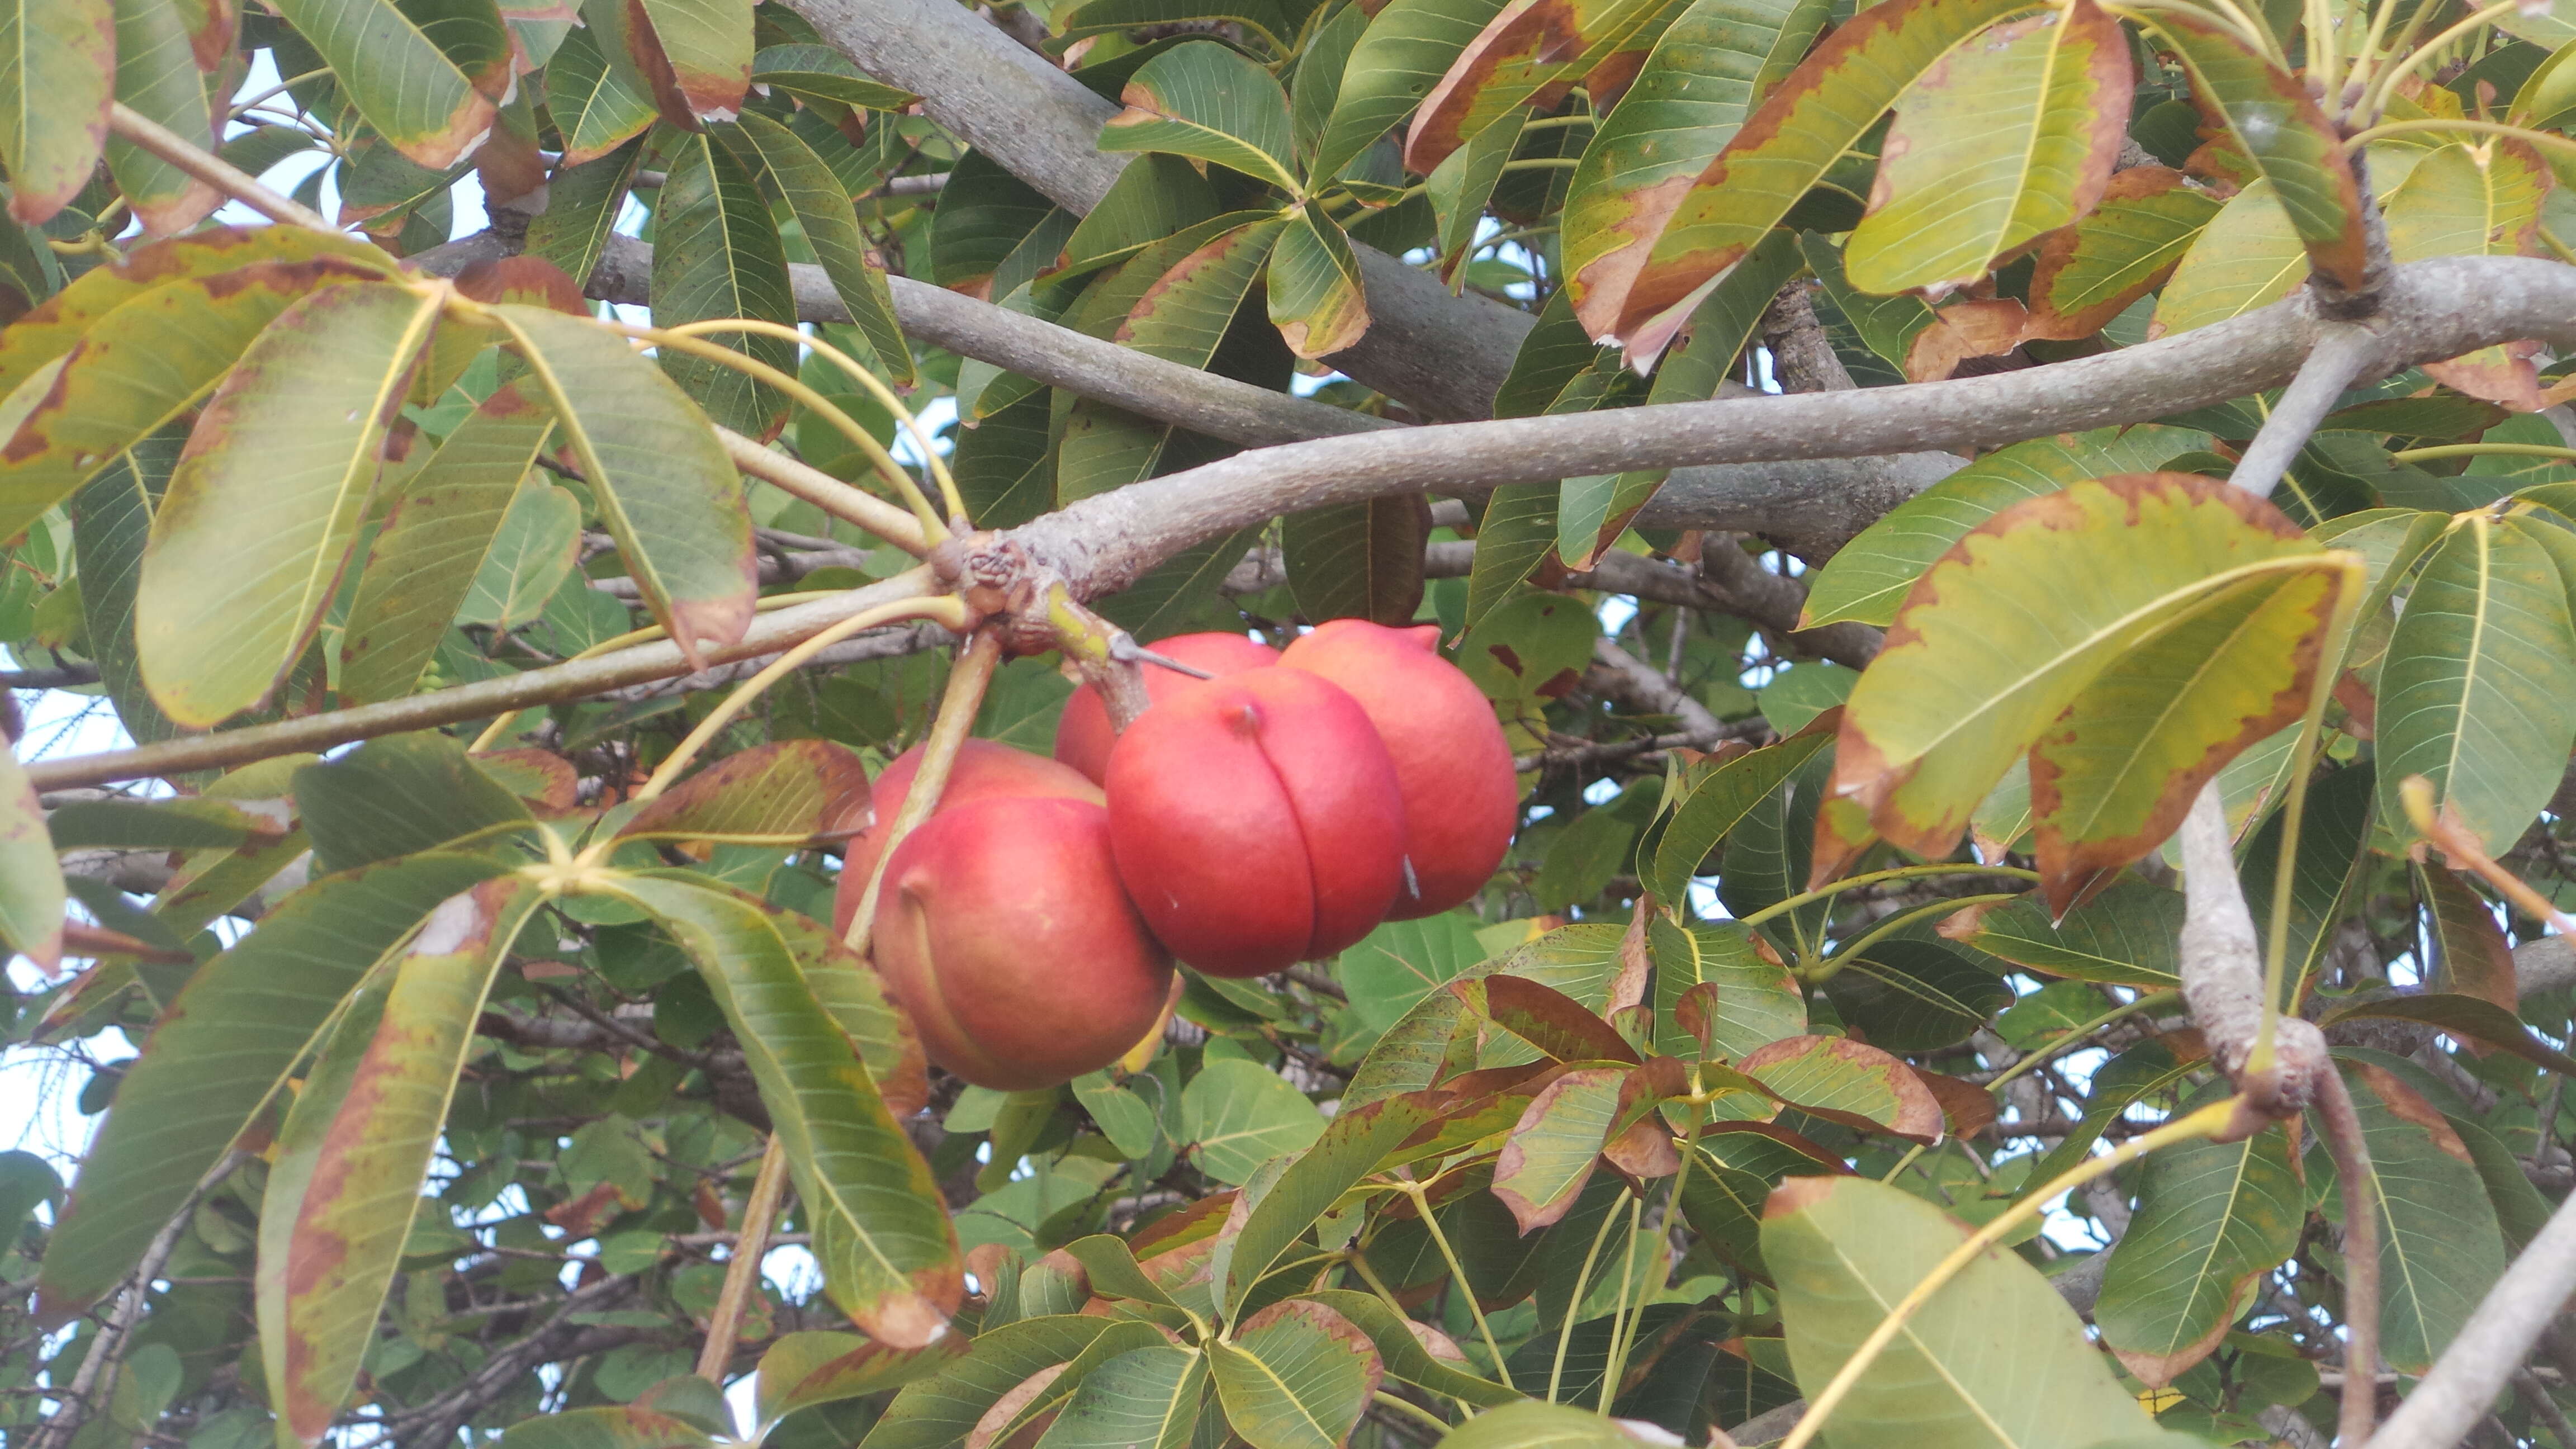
column 156, row 74
column 2211, row 1219
column 717, row 254
column 2091, row 272
column 57, row 64
column 2248, row 256
column 1526, row 48
column 2007, row 137
column 1406, row 49
column 1296, row 1376
column 1211, row 102
column 596, row 106
column 433, row 97
column 249, row 542
column 1314, row 285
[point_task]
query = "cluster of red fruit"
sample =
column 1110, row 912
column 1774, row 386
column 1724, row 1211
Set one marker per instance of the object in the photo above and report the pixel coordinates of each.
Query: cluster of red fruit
column 1273, row 814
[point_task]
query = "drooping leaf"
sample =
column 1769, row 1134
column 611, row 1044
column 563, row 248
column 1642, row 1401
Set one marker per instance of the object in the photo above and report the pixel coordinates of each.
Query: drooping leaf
column 329, row 1252
column 2123, row 936
column 248, row 544
column 1527, row 48
column 888, row 1251
column 2129, row 243
column 2275, row 121
column 1994, row 1357
column 1297, row 1376
column 2484, row 200
column 2009, row 136
column 434, row 545
column 716, row 254
column 2211, row 1219
column 1691, row 233
column 945, row 1407
column 1414, row 1352
column 58, row 69
column 2439, row 1249
column 222, row 1050
column 1945, row 708
column 1358, row 560
column 1351, row 1146
column 432, row 96
column 823, row 212
column 1314, row 285
column 1211, row 102
column 1404, row 52
column 2478, row 693
column 662, row 484
column 396, row 796
column 1551, row 1151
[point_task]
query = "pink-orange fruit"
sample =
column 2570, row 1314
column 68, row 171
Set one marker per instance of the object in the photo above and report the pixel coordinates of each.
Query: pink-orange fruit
column 1256, row 821
column 984, row 771
column 1004, row 933
column 1452, row 764
column 1083, row 736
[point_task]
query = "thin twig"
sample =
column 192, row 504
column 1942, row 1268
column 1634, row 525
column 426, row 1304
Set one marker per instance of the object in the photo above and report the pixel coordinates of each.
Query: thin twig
column 743, row 1271
column 197, row 162
column 2342, row 1132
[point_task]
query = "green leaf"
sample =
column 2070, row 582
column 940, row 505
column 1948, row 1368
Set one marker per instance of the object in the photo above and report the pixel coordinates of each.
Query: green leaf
column 1718, row 802
column 1005, row 464
column 1552, row 1148
column 984, row 212
column 332, row 1233
column 804, row 1369
column 2334, row 835
column 818, row 72
column 2247, row 256
column 182, row 823
column 248, row 544
column 716, row 254
column 606, row 1426
column 1402, row 962
column 1237, row 1115
column 1533, row 1424
column 432, row 96
column 1314, row 285
column 1125, row 1118
column 398, row 795
column 2439, row 1249
column 145, row 355
column 1353, row 1145
column 786, row 787
column 2470, row 1018
column 582, row 204
column 1994, row 1357
column 1758, row 1001
column 1910, row 995
column 888, row 1251
column 1145, row 1398
column 1210, row 102
column 2125, row 936
column 662, row 484
column 823, row 212
column 2029, row 611
column 1297, row 1376
column 1730, row 1180
column 1692, row 233
column 1462, row 186
column 2212, row 1218
column 597, row 106
column 31, row 883
column 2008, row 137
column 2272, row 117
column 1536, row 645
column 111, row 524
column 1358, row 560
column 944, row 1408
column 1154, row 196
column 1512, row 538
column 2478, row 692
column 532, row 553
column 435, row 545
column 1847, row 1081
column 1407, row 48
column 57, row 65
column 157, row 75
column 1528, row 47
column 2092, row 271
column 223, row 1049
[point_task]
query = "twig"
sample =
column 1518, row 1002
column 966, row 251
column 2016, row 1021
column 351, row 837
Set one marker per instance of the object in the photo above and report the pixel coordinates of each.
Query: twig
column 109, row 1345
column 2341, row 355
column 2535, row 1397
column 197, row 162
column 2351, row 1153
column 2448, row 1401
column 743, row 1270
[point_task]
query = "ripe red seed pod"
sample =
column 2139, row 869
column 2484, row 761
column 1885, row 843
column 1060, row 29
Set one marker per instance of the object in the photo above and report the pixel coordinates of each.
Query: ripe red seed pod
column 1256, row 821
column 1452, row 764
column 984, row 770
column 1083, row 736
column 1004, row 932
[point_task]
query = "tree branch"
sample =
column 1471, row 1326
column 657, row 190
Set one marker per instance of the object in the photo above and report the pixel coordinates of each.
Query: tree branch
column 2448, row 1402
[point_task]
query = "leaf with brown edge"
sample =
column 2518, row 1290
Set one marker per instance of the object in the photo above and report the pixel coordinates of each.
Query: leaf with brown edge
column 703, row 47
column 1544, row 1017
column 1978, row 327
column 1552, row 1149
column 1296, row 1376
column 432, row 97
column 2114, row 775
column 2271, row 115
column 157, row 75
column 1969, row 1108
column 351, row 1161
column 1850, row 1082
column 1694, row 228
column 57, row 67
column 249, row 542
column 1314, row 285
column 2008, row 136
column 855, row 997
column 2440, row 1248
column 1525, row 55
column 2473, row 1019
column 2123, row 249
column 2022, row 616
column 2482, row 200
column 803, row 788
column 664, row 486
column 2469, row 949
column 801, row 1370
column 2212, row 1218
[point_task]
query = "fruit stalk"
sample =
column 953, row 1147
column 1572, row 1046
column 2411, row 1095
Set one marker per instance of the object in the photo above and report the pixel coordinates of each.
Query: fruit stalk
column 967, row 680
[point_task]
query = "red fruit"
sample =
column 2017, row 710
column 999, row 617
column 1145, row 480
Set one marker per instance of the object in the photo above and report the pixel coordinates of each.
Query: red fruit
column 1452, row 764
column 984, row 770
column 1005, row 934
column 1256, row 821
column 1083, row 735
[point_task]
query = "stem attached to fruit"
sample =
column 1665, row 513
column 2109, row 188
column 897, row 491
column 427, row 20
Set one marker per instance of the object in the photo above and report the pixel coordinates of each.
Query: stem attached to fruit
column 1091, row 642
column 967, row 680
